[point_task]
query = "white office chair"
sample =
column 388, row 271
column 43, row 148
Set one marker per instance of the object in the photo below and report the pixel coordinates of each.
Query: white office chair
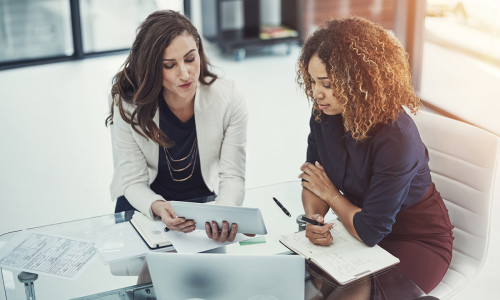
column 464, row 166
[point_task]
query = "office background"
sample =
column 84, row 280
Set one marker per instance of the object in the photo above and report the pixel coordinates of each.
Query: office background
column 56, row 151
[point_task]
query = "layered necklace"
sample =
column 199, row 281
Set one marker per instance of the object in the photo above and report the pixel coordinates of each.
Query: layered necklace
column 182, row 164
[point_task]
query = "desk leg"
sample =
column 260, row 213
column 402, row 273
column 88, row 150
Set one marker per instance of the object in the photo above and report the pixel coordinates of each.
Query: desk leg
column 29, row 286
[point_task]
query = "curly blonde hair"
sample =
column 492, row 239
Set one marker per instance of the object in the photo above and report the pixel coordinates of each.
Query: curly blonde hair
column 369, row 71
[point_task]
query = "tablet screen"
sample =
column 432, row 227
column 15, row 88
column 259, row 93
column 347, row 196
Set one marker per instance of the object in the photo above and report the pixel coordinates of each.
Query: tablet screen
column 249, row 219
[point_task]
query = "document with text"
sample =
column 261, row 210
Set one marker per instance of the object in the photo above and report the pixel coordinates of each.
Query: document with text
column 47, row 254
column 346, row 259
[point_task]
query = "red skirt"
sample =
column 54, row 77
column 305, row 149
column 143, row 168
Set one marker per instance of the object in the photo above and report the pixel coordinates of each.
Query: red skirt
column 422, row 239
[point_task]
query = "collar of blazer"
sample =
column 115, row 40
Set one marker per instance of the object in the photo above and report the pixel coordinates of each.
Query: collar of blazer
column 204, row 123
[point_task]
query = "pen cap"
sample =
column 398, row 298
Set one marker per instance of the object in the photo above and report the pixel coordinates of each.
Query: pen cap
column 302, row 223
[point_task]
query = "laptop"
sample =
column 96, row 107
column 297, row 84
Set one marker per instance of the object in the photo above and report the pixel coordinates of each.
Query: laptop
column 180, row 276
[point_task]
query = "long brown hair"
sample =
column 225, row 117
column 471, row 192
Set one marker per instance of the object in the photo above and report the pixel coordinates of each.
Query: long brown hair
column 369, row 71
column 139, row 82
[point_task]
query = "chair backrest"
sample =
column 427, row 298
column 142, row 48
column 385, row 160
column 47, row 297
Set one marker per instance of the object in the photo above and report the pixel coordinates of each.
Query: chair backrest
column 463, row 163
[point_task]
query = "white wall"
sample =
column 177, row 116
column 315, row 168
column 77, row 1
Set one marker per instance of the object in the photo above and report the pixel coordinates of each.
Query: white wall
column 56, row 151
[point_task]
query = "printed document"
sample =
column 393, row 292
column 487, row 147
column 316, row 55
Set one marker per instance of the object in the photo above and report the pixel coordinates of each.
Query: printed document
column 47, row 254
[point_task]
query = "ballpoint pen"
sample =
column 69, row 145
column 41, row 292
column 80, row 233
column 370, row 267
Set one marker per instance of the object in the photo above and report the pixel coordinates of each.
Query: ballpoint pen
column 282, row 207
column 311, row 221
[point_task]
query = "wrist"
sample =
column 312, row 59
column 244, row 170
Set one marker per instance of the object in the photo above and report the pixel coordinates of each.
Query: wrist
column 333, row 198
column 156, row 208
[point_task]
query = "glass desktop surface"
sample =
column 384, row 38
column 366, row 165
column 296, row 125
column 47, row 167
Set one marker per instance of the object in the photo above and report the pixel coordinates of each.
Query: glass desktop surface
column 387, row 284
column 97, row 277
column 118, row 280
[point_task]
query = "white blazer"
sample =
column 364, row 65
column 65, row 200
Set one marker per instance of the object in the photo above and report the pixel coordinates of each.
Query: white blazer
column 221, row 124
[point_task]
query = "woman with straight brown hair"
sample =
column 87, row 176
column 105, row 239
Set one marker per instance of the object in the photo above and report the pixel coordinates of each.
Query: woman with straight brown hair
column 178, row 131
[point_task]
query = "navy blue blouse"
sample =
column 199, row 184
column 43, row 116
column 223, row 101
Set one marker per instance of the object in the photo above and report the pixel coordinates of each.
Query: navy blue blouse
column 381, row 175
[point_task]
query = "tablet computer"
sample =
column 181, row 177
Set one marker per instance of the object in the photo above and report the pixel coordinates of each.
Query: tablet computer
column 249, row 219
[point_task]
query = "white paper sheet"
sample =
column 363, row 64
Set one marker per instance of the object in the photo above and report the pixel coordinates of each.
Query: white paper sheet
column 346, row 259
column 47, row 254
column 119, row 241
column 197, row 241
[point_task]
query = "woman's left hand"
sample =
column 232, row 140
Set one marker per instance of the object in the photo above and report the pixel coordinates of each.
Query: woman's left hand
column 316, row 180
column 221, row 235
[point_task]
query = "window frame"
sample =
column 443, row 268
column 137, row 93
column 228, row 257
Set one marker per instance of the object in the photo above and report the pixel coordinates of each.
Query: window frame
column 77, row 38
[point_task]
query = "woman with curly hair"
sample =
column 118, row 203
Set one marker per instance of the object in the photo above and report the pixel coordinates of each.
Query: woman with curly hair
column 178, row 132
column 365, row 158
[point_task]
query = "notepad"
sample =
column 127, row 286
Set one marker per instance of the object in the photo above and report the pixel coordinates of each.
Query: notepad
column 151, row 231
column 346, row 259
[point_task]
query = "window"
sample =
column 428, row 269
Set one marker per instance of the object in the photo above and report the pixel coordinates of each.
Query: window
column 112, row 24
column 34, row 29
column 42, row 31
column 461, row 60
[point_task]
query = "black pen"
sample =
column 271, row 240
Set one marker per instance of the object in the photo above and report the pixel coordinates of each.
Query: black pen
column 311, row 221
column 282, row 207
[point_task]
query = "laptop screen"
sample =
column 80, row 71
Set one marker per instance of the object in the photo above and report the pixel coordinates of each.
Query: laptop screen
column 226, row 276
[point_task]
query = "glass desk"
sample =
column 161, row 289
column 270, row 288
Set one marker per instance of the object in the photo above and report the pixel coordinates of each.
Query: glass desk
column 118, row 280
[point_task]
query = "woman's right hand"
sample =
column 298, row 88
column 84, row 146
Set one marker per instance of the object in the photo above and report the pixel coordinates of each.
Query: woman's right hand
column 168, row 216
column 319, row 235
